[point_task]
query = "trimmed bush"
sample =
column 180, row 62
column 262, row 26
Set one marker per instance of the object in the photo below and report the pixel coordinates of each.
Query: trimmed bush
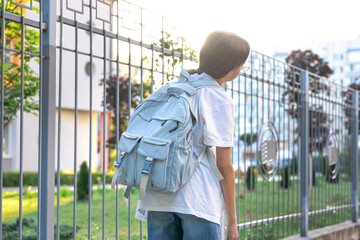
column 83, row 182
column 313, row 177
column 329, row 178
column 11, row 178
column 250, row 178
column 11, row 230
column 285, row 178
column 294, row 166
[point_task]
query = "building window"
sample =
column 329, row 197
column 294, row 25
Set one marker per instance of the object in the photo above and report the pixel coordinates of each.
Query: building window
column 347, row 81
column 355, row 67
column 338, row 69
column 325, row 59
column 354, row 55
column 338, row 57
column 338, row 81
column 6, row 141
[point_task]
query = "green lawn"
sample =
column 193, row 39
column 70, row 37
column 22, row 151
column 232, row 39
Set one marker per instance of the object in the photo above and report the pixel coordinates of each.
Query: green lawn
column 271, row 201
column 11, row 212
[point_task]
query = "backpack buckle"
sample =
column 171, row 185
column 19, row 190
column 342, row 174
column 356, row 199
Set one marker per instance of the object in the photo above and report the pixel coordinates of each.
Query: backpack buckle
column 121, row 159
column 147, row 166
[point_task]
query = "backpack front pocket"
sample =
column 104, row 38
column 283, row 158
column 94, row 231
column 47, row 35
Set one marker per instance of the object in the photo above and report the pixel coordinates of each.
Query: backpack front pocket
column 152, row 160
column 127, row 146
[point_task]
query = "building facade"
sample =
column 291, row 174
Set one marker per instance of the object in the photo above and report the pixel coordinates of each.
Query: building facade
column 343, row 57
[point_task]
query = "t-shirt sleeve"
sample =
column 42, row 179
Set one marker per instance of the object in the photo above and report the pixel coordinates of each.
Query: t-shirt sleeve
column 219, row 125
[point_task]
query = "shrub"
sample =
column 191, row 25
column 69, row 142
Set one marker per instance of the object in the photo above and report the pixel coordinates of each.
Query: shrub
column 64, row 192
column 313, row 177
column 329, row 178
column 65, row 178
column 294, row 166
column 11, row 178
column 319, row 163
column 285, row 178
column 250, row 178
column 83, row 182
column 98, row 176
column 11, row 230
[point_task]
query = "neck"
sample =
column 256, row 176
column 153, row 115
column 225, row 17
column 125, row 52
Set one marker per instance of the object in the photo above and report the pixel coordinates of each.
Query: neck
column 220, row 81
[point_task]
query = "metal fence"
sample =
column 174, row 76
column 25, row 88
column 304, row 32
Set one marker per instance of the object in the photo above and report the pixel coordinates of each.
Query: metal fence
column 295, row 143
column 310, row 181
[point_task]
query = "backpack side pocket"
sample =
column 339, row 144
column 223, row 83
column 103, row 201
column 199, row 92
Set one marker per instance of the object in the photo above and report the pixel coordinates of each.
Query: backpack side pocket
column 127, row 145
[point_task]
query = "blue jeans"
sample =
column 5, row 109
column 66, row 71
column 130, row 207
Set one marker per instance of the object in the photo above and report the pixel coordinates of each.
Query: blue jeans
column 176, row 226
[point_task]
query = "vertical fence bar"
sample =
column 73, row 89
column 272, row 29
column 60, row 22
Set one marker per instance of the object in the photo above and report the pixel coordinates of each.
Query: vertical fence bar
column 59, row 125
column 91, row 115
column 162, row 50
column 141, row 85
column 48, row 95
column 354, row 155
column 21, row 123
column 75, row 124
column 129, row 112
column 104, row 135
column 117, row 117
column 304, row 156
column 2, row 88
column 251, row 155
column 238, row 152
column 262, row 120
column 40, row 123
column 244, row 147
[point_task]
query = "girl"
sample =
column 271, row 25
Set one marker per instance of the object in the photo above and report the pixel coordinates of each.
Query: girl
column 193, row 212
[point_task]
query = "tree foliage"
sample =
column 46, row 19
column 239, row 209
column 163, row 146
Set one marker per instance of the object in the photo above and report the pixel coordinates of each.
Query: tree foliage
column 135, row 98
column 248, row 138
column 309, row 61
column 165, row 64
column 83, row 182
column 318, row 119
column 348, row 99
column 250, row 179
column 13, row 68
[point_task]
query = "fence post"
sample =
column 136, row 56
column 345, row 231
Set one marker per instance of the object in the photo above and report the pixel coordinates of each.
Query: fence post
column 354, row 154
column 47, row 131
column 304, row 153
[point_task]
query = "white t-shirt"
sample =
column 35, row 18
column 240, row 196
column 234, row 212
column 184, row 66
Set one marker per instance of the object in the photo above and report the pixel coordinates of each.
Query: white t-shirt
column 201, row 196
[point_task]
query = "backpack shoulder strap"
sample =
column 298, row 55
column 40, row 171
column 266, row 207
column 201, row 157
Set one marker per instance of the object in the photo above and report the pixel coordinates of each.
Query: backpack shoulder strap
column 212, row 163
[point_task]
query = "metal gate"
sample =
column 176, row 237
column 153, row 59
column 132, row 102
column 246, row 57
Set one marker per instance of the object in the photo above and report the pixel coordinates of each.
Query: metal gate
column 82, row 67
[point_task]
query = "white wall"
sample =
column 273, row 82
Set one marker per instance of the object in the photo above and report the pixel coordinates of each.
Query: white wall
column 30, row 141
column 67, row 142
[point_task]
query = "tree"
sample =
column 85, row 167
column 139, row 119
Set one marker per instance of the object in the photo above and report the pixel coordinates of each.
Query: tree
column 285, row 178
column 123, row 103
column 318, row 118
column 170, row 43
column 83, row 182
column 251, row 178
column 168, row 62
column 12, row 69
column 347, row 98
column 248, row 138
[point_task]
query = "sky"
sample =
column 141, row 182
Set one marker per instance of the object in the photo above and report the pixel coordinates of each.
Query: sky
column 268, row 25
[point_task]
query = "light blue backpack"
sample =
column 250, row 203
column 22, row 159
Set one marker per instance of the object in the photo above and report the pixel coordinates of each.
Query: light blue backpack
column 156, row 153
